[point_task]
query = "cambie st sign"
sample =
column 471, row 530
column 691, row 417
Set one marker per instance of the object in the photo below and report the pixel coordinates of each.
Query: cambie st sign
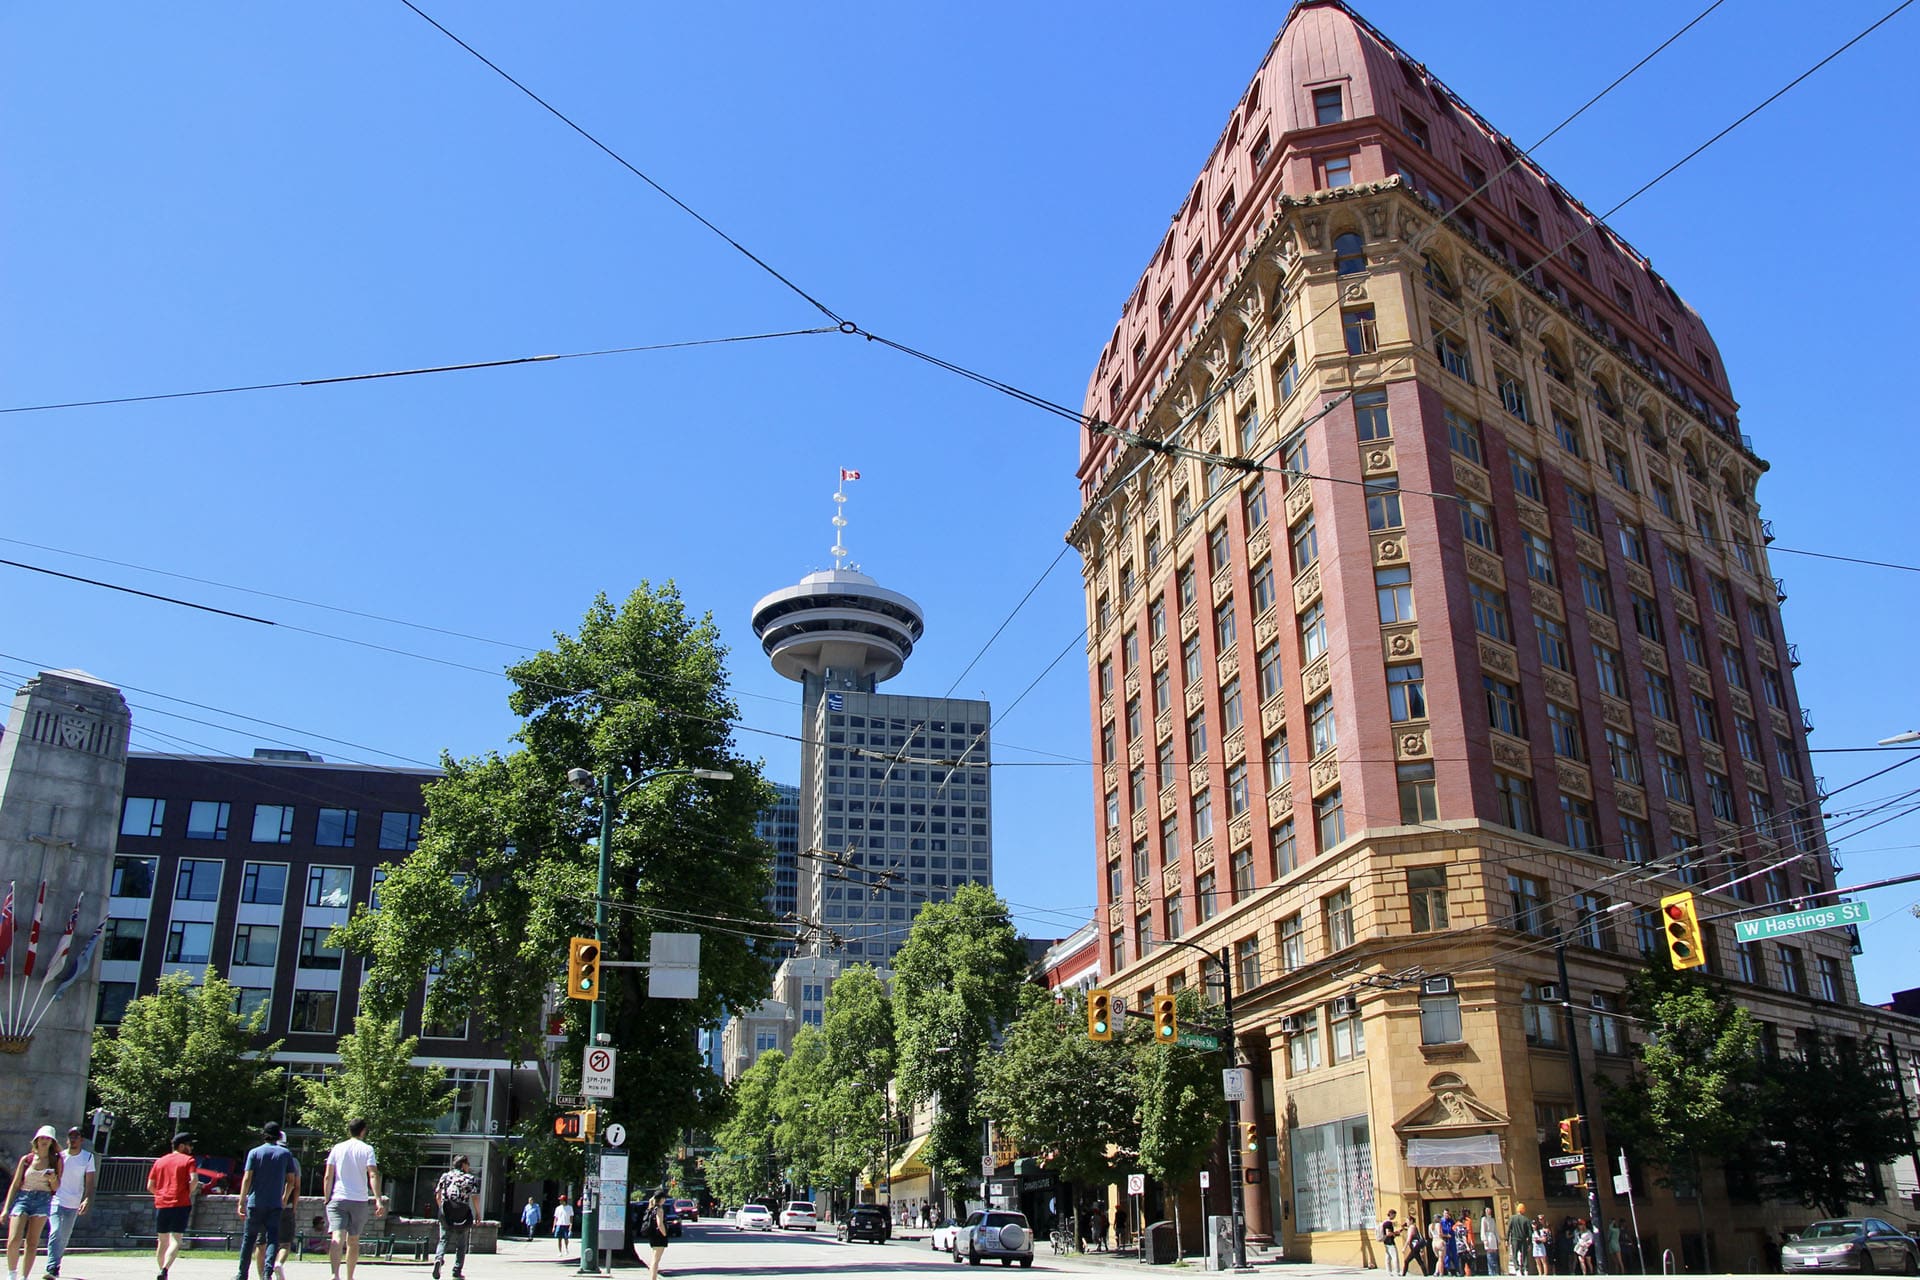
column 1833, row 917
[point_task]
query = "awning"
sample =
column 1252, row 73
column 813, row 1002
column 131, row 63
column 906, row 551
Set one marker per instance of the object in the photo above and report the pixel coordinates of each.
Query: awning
column 1451, row 1153
column 910, row 1165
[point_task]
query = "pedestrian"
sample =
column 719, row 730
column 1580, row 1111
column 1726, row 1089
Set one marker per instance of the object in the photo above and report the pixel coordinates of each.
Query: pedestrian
column 1449, row 1244
column 268, row 1176
column 1436, row 1257
column 654, row 1232
column 456, row 1202
column 72, row 1199
column 530, row 1216
column 562, row 1225
column 1613, row 1247
column 1583, row 1246
column 1563, row 1246
column 1469, row 1247
column 289, row 1222
column 1490, row 1239
column 1416, row 1249
column 173, row 1183
column 1520, row 1240
column 1542, row 1239
column 352, row 1193
column 36, row 1176
column 1389, row 1241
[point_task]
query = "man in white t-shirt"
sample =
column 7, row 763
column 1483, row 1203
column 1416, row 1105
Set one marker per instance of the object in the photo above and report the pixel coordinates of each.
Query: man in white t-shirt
column 73, row 1198
column 353, row 1195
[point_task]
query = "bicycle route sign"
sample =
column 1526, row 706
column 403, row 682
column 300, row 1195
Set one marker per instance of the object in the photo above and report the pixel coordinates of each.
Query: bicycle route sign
column 1837, row 916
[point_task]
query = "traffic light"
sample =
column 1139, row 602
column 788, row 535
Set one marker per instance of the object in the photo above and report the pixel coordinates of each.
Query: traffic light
column 1684, row 947
column 576, row 1126
column 583, row 969
column 1250, row 1138
column 1166, row 1020
column 1099, row 1015
column 1570, row 1135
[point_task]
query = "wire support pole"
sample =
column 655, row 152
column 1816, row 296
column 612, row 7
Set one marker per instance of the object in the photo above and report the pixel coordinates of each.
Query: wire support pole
column 590, row 1220
column 1589, row 1170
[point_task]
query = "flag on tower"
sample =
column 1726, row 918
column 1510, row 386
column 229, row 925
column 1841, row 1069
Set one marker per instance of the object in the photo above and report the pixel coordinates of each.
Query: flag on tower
column 78, row 962
column 59, row 955
column 846, row 475
column 6, row 931
column 33, row 931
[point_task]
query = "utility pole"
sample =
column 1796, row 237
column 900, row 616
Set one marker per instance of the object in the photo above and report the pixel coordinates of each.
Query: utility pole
column 1588, row 1169
column 590, row 1220
column 1235, row 1172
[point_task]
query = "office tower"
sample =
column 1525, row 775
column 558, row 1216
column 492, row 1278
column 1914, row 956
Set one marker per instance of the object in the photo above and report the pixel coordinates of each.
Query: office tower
column 1431, row 619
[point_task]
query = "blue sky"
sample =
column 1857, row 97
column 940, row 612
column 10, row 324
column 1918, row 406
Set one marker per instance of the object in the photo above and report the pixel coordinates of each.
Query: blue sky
column 231, row 194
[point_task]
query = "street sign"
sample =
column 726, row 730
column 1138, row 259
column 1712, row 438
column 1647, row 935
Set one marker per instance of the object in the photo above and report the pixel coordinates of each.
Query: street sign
column 613, row 1167
column 986, row 1166
column 1574, row 1177
column 1206, row 1179
column 1195, row 1040
column 1119, row 1013
column 1836, row 916
column 1136, row 1184
column 1233, row 1084
column 1566, row 1162
column 1621, row 1184
column 596, row 1072
column 102, row 1119
column 616, row 1136
column 610, row 1231
column 673, row 966
column 179, row 1110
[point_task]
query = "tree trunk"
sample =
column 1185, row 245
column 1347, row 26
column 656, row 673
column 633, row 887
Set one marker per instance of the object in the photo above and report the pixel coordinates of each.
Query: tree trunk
column 1179, row 1248
column 1700, row 1208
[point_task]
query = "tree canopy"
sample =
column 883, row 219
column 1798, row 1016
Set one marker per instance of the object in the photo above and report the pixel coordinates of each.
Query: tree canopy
column 185, row 1043
column 505, row 871
column 744, row 1164
column 1832, row 1116
column 955, row 986
column 1054, row 1090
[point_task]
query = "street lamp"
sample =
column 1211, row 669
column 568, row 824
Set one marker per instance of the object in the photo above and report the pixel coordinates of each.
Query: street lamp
column 1901, row 739
column 609, row 793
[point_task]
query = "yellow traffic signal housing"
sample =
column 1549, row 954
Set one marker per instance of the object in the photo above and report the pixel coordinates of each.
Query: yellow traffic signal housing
column 1166, row 1020
column 1250, row 1137
column 568, row 1125
column 1099, row 1014
column 1684, row 945
column 590, row 1123
column 1570, row 1135
column 583, row 969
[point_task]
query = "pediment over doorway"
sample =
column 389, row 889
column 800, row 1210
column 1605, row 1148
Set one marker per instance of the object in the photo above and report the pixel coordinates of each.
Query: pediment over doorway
column 1452, row 1110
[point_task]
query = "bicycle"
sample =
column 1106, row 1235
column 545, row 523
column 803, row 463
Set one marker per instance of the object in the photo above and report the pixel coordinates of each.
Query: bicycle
column 1062, row 1239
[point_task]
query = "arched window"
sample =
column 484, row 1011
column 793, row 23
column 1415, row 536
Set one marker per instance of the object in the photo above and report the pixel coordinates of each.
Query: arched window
column 1438, row 280
column 1349, row 253
column 1498, row 325
column 1690, row 461
column 1603, row 401
column 1553, row 362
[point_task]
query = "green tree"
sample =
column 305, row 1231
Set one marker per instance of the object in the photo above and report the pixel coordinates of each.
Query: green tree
column 954, row 987
column 185, row 1043
column 377, row 1081
column 1834, row 1118
column 1051, row 1088
column 745, row 1164
column 1693, row 1088
column 804, row 1128
column 506, row 866
column 859, row 1033
column 1181, row 1105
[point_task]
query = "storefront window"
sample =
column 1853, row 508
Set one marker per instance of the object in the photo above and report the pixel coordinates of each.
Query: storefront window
column 1333, row 1176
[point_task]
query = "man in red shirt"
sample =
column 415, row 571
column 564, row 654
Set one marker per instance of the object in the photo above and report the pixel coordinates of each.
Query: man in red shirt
column 172, row 1182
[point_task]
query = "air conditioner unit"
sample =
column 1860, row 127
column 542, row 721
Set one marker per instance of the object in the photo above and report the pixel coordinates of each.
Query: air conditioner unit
column 1438, row 985
column 1289, row 1024
column 1547, row 993
column 1345, row 1005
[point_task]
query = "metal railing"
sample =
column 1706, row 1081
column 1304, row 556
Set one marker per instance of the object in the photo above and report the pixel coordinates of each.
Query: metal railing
column 123, row 1175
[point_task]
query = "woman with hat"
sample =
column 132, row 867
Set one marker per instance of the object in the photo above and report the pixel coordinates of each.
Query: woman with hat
column 30, row 1201
column 654, row 1231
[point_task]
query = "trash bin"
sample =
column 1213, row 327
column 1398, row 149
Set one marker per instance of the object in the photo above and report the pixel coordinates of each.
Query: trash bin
column 1163, row 1247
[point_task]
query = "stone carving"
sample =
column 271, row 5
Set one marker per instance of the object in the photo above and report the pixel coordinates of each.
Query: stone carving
column 1315, row 678
column 1573, row 778
column 1240, row 832
column 1389, row 551
column 1401, row 642
column 1236, row 746
column 1681, row 820
column 1485, row 567
column 1140, row 825
column 1632, row 800
column 1203, row 857
column 1356, row 291
column 1654, row 656
column 1498, row 658
column 1640, row 580
column 1142, row 897
column 1411, row 226
column 1377, row 459
column 1306, row 587
column 1531, row 317
column 1512, row 754
column 1455, row 1181
column 1116, row 914
column 1560, row 687
column 1324, row 773
column 1584, row 355
column 1170, row 881
column 1616, row 713
column 1375, row 212
column 1549, row 603
column 1196, row 698
column 1272, row 715
column 1470, row 479
column 1314, row 228
column 1411, row 745
column 1631, row 393
column 1257, row 544
column 1532, row 517
column 1229, row 664
column 1603, row 630
column 1197, row 776
column 1666, row 737
column 1136, row 753
column 1266, row 627
column 1299, row 498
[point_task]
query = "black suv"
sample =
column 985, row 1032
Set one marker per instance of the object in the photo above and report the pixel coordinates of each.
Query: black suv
column 866, row 1222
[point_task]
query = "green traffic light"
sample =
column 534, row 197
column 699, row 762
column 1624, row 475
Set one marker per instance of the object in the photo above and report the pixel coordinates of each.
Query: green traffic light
column 1100, row 1026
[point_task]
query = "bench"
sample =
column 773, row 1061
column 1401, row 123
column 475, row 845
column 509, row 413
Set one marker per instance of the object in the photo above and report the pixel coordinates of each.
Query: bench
column 226, row 1240
column 389, row 1246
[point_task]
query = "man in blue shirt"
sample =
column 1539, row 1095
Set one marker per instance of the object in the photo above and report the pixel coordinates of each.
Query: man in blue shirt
column 272, row 1177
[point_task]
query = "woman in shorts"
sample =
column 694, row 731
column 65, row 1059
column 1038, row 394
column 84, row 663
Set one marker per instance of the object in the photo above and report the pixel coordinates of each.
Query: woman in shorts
column 30, row 1201
column 654, row 1232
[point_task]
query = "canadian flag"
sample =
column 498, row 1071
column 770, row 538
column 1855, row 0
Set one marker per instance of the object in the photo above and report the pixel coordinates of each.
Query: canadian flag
column 846, row 475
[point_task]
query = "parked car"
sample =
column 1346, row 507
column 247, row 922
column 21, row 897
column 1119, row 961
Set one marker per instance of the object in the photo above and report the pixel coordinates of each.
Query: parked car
column 866, row 1222
column 944, row 1231
column 637, row 1223
column 752, row 1217
column 686, row 1210
column 994, row 1233
column 1851, row 1244
column 799, row 1216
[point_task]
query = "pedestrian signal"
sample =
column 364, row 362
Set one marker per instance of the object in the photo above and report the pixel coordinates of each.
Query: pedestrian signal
column 583, row 969
column 1100, row 1015
column 1684, row 945
column 1166, row 1020
column 576, row 1126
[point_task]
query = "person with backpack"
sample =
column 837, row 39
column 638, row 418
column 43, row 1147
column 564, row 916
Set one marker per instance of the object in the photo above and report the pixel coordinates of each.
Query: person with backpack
column 1389, row 1241
column 456, row 1198
column 1417, row 1250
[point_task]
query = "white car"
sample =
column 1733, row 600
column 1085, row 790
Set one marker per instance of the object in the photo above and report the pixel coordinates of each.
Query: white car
column 941, row 1241
column 799, row 1216
column 752, row 1217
